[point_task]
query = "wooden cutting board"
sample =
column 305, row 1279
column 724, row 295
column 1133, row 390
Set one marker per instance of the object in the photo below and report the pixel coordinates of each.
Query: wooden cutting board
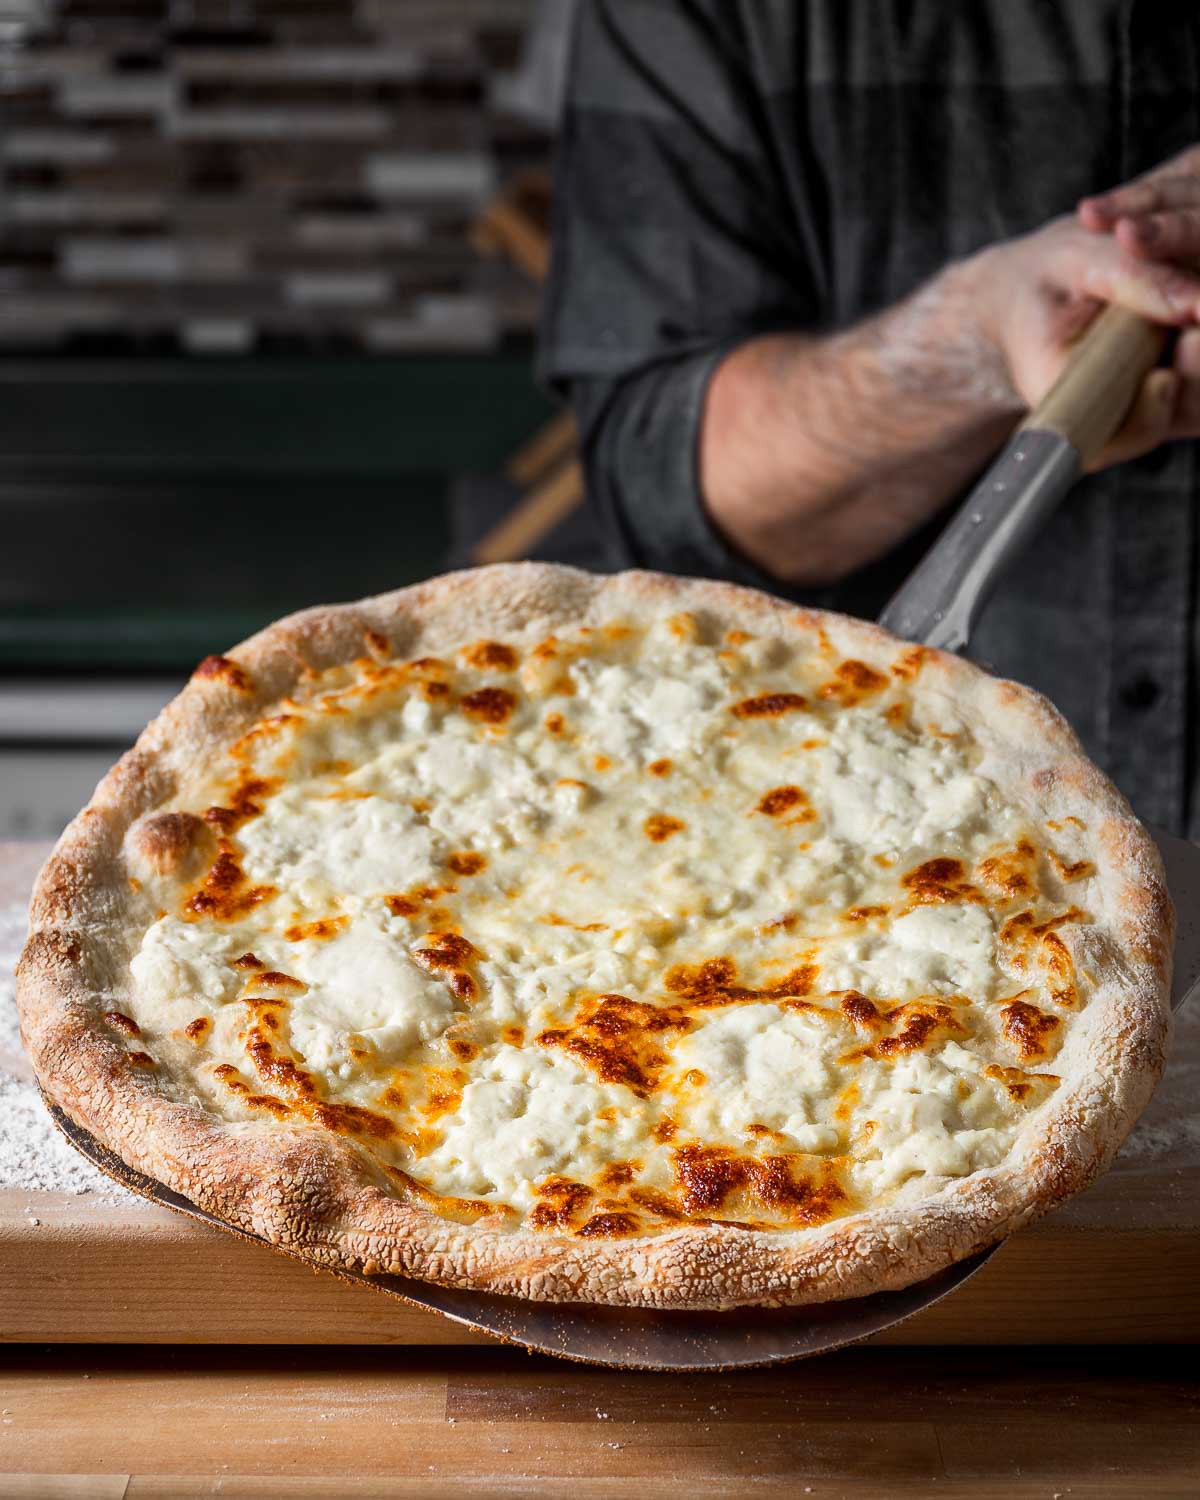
column 1120, row 1264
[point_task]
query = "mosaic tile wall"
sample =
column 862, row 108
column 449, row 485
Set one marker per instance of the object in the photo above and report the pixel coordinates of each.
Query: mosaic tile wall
column 231, row 176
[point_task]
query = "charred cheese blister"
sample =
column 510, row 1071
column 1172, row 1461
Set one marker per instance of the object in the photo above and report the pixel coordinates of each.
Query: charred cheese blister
column 615, row 930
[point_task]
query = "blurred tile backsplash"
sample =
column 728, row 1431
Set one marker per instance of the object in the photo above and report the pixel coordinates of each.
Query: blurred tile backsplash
column 240, row 176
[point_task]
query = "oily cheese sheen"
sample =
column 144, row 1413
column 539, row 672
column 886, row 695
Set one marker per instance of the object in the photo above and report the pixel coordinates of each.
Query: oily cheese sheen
column 582, row 932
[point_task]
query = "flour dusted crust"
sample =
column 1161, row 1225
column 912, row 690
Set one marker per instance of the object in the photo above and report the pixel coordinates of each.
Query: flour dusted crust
column 318, row 1179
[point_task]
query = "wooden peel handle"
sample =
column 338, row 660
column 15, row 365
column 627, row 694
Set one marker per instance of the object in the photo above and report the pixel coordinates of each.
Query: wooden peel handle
column 1091, row 398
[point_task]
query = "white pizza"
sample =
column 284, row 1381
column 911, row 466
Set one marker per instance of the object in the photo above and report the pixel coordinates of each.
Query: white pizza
column 631, row 940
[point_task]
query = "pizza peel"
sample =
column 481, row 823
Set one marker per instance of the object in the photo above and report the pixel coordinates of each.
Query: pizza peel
column 937, row 606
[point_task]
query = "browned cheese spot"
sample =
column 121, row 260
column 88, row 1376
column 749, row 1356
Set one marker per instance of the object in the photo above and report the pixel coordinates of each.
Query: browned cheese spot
column 1012, row 872
column 457, row 1210
column 684, row 627
column 351, row 1119
column 221, row 669
column 491, row 656
column 318, row 931
column 1060, row 971
column 265, row 729
column 489, row 705
column 394, row 1096
column 274, row 1067
column 662, row 767
column 785, row 922
column 1023, row 938
column 119, row 1021
column 411, row 902
column 445, row 950
column 659, row 827
column 1018, row 1084
column 1028, row 1028
column 377, row 642
column 265, row 1009
column 847, row 1099
column 714, row 982
column 141, row 1059
column 938, row 880
column 1080, row 870
column 865, row 913
column 860, row 1011
column 466, row 862
column 657, row 1203
column 246, row 803
column 270, row 1102
column 224, row 892
column 769, row 706
column 197, row 1030
column 852, row 682
column 609, row 1226
column 555, row 724
column 552, row 919
column 446, row 955
column 247, row 961
column 617, row 1174
column 562, row 1203
column 618, row 1039
column 918, row 1023
column 784, row 800
column 709, row 1176
column 909, row 662
column 274, row 980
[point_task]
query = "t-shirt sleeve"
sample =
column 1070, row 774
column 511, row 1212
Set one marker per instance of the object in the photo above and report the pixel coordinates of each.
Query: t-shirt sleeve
column 674, row 239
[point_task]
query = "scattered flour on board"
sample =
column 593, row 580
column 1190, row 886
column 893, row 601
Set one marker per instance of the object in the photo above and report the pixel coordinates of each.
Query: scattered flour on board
column 33, row 1154
column 1168, row 1134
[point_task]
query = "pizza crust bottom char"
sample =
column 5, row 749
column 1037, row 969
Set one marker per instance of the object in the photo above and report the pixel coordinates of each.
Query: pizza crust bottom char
column 318, row 1194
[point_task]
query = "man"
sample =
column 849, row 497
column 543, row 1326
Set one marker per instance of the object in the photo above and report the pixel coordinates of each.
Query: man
column 814, row 258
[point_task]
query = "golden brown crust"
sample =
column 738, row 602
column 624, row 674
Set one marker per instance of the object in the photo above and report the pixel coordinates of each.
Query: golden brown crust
column 314, row 1194
column 165, row 841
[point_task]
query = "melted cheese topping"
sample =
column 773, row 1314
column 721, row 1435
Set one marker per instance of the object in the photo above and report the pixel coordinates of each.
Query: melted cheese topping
column 609, row 931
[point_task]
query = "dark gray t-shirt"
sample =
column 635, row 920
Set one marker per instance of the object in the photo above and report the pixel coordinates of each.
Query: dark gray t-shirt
column 729, row 167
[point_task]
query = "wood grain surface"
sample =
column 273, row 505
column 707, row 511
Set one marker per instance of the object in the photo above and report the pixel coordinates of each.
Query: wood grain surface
column 141, row 1274
column 951, row 1423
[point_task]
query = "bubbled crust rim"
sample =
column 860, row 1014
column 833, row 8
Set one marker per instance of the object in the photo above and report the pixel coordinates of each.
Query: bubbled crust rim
column 315, row 1195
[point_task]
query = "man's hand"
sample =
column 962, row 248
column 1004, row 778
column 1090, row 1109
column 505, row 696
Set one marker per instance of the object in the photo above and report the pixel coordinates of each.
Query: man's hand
column 819, row 455
column 1156, row 219
column 1138, row 246
column 1036, row 296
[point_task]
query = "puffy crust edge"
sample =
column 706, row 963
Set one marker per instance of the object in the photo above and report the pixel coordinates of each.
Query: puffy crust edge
column 315, row 1195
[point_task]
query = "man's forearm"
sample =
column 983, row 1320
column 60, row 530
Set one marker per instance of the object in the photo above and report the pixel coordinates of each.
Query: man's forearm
column 819, row 455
